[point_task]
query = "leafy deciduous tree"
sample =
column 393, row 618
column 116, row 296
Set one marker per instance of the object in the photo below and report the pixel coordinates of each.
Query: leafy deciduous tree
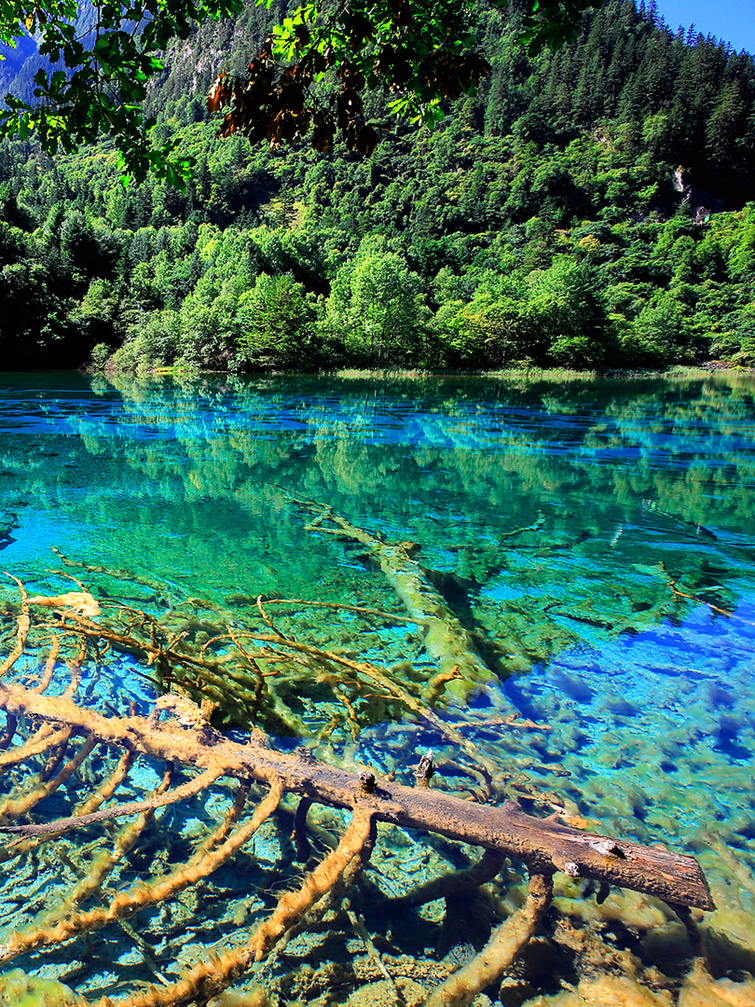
column 102, row 57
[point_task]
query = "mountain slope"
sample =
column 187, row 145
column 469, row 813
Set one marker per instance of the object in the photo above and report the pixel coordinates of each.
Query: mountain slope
column 586, row 208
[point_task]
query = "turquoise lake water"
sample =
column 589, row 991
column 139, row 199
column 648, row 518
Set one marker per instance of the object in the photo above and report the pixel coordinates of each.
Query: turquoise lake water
column 596, row 537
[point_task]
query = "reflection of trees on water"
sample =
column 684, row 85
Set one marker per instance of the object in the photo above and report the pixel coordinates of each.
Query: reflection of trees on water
column 627, row 474
column 516, row 432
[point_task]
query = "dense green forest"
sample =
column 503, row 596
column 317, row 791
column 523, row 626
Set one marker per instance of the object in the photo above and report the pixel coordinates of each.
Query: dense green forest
column 586, row 208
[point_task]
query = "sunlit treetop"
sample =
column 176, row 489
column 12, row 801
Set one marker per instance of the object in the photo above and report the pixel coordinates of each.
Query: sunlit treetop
column 308, row 79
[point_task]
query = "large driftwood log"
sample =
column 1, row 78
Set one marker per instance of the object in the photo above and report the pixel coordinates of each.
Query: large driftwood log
column 545, row 845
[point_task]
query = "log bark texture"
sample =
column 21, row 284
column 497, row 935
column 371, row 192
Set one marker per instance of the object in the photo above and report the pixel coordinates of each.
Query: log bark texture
column 545, row 845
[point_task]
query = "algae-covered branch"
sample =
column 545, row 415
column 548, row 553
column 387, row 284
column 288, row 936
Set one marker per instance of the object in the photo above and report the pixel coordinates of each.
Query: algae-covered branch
column 68, row 739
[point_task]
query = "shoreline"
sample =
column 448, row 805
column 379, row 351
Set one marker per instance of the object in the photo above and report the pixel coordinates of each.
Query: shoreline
column 556, row 374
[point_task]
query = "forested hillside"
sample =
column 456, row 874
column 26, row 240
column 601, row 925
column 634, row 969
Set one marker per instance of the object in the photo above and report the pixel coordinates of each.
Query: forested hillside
column 587, row 208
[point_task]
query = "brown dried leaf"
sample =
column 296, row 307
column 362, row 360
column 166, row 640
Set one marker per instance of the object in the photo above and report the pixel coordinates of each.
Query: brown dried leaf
column 323, row 132
column 81, row 602
column 220, row 93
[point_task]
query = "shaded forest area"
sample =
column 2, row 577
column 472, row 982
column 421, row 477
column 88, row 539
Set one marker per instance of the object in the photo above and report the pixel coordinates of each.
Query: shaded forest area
column 586, row 209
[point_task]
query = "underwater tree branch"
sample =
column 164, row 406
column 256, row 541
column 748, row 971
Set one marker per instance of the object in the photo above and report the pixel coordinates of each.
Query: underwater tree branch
column 490, row 864
column 126, row 903
column 543, row 844
column 211, row 977
column 61, row 825
column 12, row 807
column 505, row 945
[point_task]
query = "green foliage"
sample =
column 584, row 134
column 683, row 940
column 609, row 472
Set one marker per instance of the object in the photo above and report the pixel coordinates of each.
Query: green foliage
column 100, row 59
column 520, row 230
column 153, row 343
column 99, row 358
column 100, row 62
column 375, row 310
column 277, row 322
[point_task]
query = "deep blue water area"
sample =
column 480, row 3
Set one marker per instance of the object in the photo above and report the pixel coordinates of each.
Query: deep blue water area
column 600, row 534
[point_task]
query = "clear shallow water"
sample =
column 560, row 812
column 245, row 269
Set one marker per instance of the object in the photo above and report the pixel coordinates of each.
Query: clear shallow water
column 621, row 619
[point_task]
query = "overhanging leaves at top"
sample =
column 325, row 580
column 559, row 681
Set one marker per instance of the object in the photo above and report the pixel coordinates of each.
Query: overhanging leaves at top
column 98, row 74
column 310, row 76
column 313, row 70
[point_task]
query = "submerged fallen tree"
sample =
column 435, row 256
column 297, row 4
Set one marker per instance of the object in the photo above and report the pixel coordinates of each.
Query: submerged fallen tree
column 447, row 641
column 177, row 732
column 544, row 845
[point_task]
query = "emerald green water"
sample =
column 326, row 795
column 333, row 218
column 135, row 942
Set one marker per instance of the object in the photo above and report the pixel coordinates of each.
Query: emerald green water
column 181, row 481
column 597, row 536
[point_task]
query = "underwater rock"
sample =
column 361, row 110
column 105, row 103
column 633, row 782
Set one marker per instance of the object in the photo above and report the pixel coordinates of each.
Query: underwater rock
column 17, row 989
column 602, row 991
column 630, row 908
column 701, row 990
column 388, row 994
column 337, row 982
column 580, row 692
column 256, row 997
